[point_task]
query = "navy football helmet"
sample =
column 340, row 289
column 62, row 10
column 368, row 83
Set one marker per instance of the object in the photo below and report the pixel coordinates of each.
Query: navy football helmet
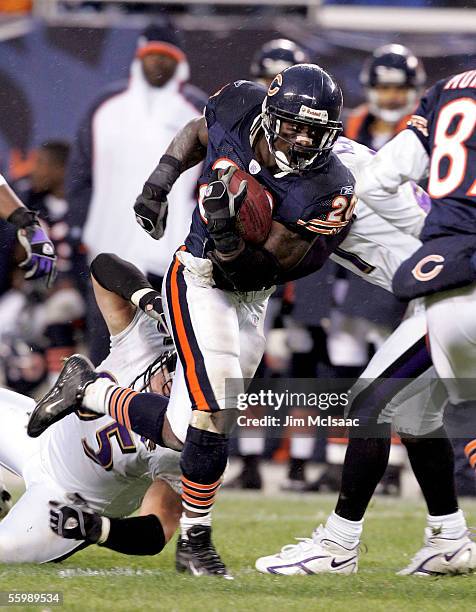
column 303, row 95
column 275, row 56
column 393, row 65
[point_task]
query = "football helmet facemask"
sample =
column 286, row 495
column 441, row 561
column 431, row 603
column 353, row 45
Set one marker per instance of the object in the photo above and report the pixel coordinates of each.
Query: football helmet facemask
column 307, row 100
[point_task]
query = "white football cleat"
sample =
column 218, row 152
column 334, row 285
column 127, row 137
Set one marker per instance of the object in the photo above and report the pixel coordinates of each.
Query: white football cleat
column 5, row 502
column 316, row 555
column 442, row 555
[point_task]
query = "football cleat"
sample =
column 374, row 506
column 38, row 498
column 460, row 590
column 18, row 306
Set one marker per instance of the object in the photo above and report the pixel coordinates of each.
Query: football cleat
column 5, row 502
column 65, row 396
column 197, row 555
column 316, row 555
column 441, row 555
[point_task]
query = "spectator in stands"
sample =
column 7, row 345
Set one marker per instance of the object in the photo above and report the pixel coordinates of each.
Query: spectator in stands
column 129, row 127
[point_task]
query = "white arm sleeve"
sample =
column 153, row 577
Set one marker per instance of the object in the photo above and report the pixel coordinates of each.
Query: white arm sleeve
column 2, row 180
column 379, row 180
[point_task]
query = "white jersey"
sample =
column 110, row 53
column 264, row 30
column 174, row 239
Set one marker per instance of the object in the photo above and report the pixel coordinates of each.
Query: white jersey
column 109, row 465
column 402, row 159
column 386, row 227
column 401, row 206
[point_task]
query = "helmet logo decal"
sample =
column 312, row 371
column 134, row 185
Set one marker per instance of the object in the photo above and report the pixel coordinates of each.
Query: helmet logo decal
column 313, row 113
column 275, row 85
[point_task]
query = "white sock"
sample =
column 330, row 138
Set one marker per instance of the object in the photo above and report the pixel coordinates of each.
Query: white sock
column 96, row 396
column 251, row 446
column 189, row 521
column 448, row 525
column 301, row 447
column 344, row 532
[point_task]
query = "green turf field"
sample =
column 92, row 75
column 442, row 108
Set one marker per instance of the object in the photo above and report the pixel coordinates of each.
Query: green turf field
column 247, row 526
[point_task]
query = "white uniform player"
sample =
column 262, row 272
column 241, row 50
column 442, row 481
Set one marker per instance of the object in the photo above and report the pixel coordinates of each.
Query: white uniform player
column 109, row 466
column 440, row 143
column 383, row 235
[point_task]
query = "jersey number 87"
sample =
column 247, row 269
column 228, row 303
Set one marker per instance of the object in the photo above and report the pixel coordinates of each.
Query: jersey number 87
column 452, row 146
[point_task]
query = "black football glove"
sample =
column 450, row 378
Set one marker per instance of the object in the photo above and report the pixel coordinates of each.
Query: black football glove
column 40, row 260
column 76, row 521
column 151, row 205
column 221, row 207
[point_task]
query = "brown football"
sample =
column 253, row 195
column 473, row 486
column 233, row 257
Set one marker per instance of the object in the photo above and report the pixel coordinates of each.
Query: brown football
column 256, row 213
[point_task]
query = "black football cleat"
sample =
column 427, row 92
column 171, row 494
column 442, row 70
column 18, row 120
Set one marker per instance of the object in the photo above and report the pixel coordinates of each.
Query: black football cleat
column 197, row 555
column 64, row 397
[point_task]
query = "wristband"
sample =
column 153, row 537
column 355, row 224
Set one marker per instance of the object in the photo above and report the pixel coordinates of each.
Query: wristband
column 105, row 529
column 163, row 177
column 22, row 217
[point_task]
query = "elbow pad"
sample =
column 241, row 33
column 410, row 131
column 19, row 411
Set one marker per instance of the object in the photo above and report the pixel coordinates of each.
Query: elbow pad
column 117, row 275
column 137, row 535
column 253, row 269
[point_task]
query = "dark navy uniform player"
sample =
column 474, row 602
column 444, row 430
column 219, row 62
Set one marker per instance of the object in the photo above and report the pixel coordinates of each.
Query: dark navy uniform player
column 217, row 286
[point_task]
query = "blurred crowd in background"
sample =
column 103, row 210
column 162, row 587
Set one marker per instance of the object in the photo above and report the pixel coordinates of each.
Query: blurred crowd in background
column 327, row 325
column 27, row 6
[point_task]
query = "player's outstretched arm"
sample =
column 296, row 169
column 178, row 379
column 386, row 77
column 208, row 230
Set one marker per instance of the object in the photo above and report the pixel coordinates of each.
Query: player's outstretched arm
column 118, row 287
column 40, row 258
column 404, row 158
column 146, row 534
column 187, row 149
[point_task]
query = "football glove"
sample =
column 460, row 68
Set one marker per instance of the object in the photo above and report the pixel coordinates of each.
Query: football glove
column 150, row 302
column 76, row 521
column 221, row 207
column 151, row 206
column 40, row 260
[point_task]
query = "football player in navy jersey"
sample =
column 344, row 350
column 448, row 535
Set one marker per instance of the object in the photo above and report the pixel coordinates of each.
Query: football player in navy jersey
column 217, row 281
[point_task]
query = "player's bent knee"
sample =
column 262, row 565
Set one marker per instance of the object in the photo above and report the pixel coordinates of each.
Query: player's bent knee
column 221, row 422
column 204, row 457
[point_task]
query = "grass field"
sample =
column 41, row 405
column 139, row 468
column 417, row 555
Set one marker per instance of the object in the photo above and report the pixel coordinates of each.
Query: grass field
column 248, row 526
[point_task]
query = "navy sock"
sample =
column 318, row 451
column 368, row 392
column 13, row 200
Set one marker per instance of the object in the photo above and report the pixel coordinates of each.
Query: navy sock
column 432, row 461
column 365, row 463
column 143, row 413
column 203, row 462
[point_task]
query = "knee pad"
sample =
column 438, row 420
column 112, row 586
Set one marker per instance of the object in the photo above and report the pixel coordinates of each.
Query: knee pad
column 221, row 422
